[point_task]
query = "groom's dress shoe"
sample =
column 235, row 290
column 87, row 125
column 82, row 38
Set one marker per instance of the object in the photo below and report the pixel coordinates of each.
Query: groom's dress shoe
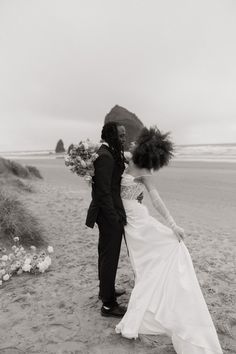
column 114, row 311
column 118, row 293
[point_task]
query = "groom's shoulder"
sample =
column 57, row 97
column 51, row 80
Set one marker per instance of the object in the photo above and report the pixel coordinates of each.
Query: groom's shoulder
column 104, row 151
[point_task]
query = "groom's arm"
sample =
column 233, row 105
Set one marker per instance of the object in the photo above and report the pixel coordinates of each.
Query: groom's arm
column 104, row 166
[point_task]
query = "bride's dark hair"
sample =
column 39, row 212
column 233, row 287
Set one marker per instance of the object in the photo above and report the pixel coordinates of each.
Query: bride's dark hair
column 153, row 149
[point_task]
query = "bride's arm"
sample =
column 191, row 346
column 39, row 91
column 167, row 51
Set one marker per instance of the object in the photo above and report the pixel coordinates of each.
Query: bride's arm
column 161, row 208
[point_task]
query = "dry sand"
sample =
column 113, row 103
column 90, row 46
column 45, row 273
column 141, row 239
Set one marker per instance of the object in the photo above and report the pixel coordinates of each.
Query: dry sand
column 59, row 312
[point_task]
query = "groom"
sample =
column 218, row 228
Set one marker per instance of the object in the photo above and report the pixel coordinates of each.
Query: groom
column 106, row 209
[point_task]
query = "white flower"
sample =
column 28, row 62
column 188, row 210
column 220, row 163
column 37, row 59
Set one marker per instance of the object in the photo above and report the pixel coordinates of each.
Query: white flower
column 2, row 272
column 14, row 248
column 27, row 261
column 50, row 249
column 86, row 146
column 16, row 239
column 5, row 258
column 33, row 248
column 17, row 264
column 89, row 163
column 83, row 163
column 6, row 277
column 42, row 266
column 48, row 260
column 13, row 267
column 94, row 156
column 26, row 267
column 88, row 179
column 11, row 256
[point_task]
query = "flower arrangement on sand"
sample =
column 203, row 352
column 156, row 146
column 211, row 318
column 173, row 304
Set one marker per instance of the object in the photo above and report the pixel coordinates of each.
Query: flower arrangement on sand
column 20, row 260
column 80, row 159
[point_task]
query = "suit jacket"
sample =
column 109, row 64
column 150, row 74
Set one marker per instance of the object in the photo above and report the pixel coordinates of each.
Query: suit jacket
column 106, row 190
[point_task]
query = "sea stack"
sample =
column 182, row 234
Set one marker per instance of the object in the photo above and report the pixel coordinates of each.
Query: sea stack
column 60, row 147
column 131, row 122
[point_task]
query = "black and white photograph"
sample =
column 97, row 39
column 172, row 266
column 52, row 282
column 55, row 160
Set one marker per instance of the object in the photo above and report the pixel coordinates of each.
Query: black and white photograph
column 117, row 177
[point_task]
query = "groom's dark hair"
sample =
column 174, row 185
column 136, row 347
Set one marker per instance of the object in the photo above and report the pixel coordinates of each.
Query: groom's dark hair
column 111, row 137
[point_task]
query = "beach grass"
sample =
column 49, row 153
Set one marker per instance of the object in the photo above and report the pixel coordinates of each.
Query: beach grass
column 10, row 167
column 17, row 221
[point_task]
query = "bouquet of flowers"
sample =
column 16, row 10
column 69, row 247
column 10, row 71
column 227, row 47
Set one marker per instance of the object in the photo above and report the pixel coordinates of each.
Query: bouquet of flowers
column 20, row 260
column 80, row 159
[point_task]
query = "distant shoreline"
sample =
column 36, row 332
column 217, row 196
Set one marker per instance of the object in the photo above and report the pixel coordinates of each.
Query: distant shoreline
column 53, row 151
column 42, row 163
column 188, row 160
column 214, row 144
column 225, row 153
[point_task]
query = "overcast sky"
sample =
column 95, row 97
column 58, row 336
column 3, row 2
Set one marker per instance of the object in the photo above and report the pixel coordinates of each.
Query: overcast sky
column 65, row 63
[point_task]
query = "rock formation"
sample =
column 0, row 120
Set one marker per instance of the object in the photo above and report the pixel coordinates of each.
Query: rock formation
column 60, row 147
column 131, row 122
column 69, row 148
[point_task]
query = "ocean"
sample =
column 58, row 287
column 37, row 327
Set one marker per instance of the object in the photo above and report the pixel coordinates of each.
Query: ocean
column 204, row 152
column 211, row 152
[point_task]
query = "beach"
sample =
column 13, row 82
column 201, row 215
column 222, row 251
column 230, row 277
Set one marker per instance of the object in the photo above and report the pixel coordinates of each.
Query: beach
column 59, row 311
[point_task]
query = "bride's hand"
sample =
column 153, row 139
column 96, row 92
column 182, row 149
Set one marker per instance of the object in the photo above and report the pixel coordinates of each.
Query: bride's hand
column 179, row 232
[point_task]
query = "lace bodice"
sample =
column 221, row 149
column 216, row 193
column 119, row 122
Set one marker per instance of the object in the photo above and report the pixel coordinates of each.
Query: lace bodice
column 129, row 188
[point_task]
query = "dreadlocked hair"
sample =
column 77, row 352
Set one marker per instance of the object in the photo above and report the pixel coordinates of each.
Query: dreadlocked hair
column 110, row 136
column 153, row 150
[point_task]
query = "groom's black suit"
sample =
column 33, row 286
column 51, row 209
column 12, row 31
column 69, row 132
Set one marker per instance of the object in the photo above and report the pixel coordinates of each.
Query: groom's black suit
column 106, row 209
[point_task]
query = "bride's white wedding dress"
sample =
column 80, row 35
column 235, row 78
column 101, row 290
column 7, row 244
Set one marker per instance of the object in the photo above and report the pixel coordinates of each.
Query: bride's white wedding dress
column 166, row 298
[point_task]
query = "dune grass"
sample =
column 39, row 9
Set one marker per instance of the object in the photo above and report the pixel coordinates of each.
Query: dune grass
column 20, row 185
column 15, row 184
column 34, row 172
column 9, row 167
column 17, row 220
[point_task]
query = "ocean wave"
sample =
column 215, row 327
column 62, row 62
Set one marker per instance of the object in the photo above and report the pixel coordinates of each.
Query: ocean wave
column 224, row 152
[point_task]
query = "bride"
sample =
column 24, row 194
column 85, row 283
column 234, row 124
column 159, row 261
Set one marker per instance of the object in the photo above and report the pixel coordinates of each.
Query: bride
column 166, row 298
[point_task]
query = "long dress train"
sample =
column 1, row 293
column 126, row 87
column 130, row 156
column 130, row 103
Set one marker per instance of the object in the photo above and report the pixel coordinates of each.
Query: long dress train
column 166, row 298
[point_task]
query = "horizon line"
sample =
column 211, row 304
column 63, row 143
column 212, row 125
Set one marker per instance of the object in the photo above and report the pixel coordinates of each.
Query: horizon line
column 180, row 145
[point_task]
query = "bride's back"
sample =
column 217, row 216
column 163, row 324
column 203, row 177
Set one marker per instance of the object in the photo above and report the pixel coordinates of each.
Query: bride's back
column 131, row 183
column 137, row 172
